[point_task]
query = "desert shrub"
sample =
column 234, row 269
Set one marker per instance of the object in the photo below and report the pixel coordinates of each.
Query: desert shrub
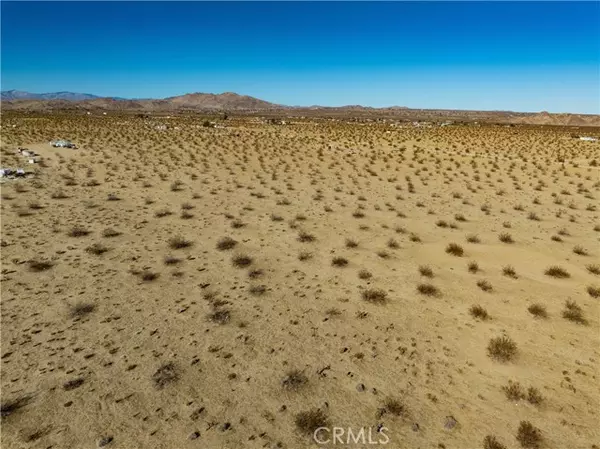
column 455, row 249
column 502, row 348
column 490, row 442
column 573, row 312
column 479, row 312
column 166, row 374
column 294, row 380
column 220, row 317
column 538, row 310
column 593, row 291
column 513, row 391
column 304, row 255
column 109, row 232
column 149, row 276
column 81, row 309
column 364, row 274
column 473, row 267
column 472, row 238
column 428, row 290
column 534, row 396
column 179, row 242
column 39, row 265
column 97, row 249
column 505, row 237
column 557, row 272
column 393, row 244
column 484, row 285
column 305, row 237
column 528, row 436
column 339, row 262
column 241, row 260
column 580, row 251
column 226, row 243
column 426, row 271
column 377, row 296
column 594, row 269
column 309, row 421
column 393, row 406
column 350, row 243
column 78, row 231
column 509, row 271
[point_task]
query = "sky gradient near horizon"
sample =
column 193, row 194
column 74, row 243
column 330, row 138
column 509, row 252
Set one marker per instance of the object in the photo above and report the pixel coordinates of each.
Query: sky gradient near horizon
column 520, row 56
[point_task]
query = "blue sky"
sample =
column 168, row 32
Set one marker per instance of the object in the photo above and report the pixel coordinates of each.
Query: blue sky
column 522, row 56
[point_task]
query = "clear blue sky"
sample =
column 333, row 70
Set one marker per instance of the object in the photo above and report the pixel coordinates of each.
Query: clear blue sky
column 522, row 56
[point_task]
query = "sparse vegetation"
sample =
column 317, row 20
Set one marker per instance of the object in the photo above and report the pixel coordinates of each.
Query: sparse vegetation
column 502, row 348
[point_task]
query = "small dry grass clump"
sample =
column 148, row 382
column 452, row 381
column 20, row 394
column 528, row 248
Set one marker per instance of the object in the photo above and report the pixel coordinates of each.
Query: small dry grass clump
column 237, row 224
column 309, row 421
column 149, row 276
column 573, row 313
column 477, row 311
column 484, row 285
column 557, row 272
column 220, row 317
column 393, row 244
column 473, row 267
column 392, row 406
column 580, row 251
column 472, row 238
column 509, row 271
column 305, row 237
column 534, row 396
column 304, row 256
column 593, row 291
column 171, row 260
column 97, row 249
column 376, row 296
column 162, row 213
column 179, row 242
column 241, row 260
column 428, row 290
column 513, row 391
column 364, row 274
column 505, row 237
column 166, row 374
column 109, row 232
column 455, row 249
column 350, row 243
column 339, row 262
column 502, row 348
column 426, row 271
column 226, row 243
column 294, row 380
column 39, row 265
column 81, row 309
column 538, row 310
column 78, row 231
column 258, row 290
column 594, row 269
column 490, row 442
column 529, row 436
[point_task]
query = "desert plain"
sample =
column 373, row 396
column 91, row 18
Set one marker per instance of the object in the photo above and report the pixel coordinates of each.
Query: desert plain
column 174, row 285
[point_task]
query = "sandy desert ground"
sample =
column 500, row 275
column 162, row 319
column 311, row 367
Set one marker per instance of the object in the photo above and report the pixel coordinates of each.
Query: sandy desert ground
column 195, row 287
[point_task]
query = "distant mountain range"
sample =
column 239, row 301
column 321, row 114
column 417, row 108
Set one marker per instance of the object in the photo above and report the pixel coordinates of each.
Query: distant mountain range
column 229, row 101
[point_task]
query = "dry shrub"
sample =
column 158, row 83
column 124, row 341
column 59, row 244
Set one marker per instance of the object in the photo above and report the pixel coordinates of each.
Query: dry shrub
column 529, row 436
column 376, row 296
column 502, row 348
